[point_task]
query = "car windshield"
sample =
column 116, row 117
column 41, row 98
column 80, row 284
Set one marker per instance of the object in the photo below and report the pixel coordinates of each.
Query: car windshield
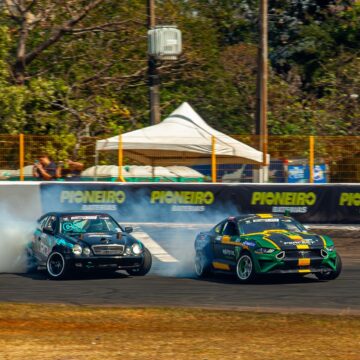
column 88, row 224
column 259, row 225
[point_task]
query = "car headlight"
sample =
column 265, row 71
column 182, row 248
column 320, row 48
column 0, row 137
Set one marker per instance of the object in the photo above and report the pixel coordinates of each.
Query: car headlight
column 86, row 251
column 77, row 249
column 330, row 248
column 264, row 251
column 136, row 249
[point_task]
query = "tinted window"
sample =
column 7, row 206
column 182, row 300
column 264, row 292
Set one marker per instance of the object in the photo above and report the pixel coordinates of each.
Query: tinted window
column 88, row 224
column 230, row 229
column 260, row 225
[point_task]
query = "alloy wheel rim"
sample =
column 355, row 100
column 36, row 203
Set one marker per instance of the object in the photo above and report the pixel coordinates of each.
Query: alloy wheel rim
column 244, row 267
column 55, row 265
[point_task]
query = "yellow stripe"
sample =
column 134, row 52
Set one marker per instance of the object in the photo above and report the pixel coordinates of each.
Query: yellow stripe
column 303, row 262
column 323, row 240
column 295, row 237
column 304, row 270
column 265, row 216
column 220, row 266
column 271, row 242
column 302, row 247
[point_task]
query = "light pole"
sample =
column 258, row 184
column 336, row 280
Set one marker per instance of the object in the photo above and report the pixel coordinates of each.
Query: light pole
column 153, row 76
column 261, row 88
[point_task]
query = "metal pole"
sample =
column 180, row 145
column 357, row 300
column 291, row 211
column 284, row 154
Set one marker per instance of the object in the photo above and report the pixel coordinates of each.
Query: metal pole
column 21, row 154
column 153, row 75
column 120, row 160
column 213, row 160
column 311, row 159
column 262, row 79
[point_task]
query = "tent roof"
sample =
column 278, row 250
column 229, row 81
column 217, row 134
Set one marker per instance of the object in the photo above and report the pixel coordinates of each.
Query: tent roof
column 183, row 138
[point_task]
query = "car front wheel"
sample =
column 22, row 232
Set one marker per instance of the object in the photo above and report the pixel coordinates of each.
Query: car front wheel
column 245, row 269
column 56, row 266
column 331, row 275
column 145, row 268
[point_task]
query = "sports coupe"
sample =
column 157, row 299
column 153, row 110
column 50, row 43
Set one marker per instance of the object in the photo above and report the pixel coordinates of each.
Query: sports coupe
column 256, row 244
column 65, row 242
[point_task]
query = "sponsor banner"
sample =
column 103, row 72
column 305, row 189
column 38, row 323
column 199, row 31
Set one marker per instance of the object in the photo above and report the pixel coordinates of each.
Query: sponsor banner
column 137, row 202
column 167, row 202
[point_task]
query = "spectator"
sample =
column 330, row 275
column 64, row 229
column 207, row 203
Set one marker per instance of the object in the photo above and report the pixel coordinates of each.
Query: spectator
column 71, row 170
column 44, row 168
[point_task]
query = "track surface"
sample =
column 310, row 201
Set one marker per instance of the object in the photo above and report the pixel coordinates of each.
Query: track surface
column 172, row 283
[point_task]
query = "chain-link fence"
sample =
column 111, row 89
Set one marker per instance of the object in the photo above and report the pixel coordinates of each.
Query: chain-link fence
column 333, row 159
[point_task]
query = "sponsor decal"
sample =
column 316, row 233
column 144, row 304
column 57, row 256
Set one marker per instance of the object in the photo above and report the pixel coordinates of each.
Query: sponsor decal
column 187, row 201
column 182, row 197
column 283, row 198
column 349, row 199
column 228, row 252
column 92, row 197
column 249, row 243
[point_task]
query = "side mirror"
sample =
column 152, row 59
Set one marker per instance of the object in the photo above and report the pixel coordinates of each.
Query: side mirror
column 48, row 231
column 129, row 229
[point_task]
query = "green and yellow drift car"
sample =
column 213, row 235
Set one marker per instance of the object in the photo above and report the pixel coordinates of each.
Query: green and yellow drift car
column 251, row 245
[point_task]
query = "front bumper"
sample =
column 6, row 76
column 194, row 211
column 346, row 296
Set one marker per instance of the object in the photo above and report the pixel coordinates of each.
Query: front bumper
column 296, row 262
column 104, row 262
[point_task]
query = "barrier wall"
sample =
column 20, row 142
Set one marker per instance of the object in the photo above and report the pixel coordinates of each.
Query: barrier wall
column 20, row 201
column 168, row 202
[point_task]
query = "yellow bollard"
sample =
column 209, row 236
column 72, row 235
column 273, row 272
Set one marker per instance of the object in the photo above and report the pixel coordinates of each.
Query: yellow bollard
column 21, row 156
column 213, row 160
column 311, row 158
column 120, row 160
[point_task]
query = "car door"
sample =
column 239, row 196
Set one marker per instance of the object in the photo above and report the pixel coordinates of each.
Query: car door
column 225, row 248
column 46, row 239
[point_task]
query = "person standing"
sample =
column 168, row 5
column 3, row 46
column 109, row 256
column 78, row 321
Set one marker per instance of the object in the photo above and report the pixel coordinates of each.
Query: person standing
column 44, row 168
column 72, row 170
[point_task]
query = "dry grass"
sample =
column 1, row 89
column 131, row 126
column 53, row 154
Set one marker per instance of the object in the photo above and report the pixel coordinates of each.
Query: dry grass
column 70, row 332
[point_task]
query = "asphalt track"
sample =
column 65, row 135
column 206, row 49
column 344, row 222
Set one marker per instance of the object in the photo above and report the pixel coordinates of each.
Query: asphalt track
column 172, row 283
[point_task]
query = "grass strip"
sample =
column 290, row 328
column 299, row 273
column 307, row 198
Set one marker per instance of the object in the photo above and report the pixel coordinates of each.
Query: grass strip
column 63, row 332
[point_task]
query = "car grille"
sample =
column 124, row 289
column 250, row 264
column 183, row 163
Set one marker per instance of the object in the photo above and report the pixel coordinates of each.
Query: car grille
column 296, row 254
column 108, row 249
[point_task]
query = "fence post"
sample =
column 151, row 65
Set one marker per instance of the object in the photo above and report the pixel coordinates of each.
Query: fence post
column 21, row 156
column 311, row 158
column 213, row 160
column 120, row 160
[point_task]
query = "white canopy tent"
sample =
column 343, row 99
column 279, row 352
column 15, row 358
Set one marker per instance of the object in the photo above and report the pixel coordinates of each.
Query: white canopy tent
column 183, row 138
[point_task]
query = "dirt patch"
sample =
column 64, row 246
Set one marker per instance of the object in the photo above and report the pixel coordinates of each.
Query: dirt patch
column 70, row 332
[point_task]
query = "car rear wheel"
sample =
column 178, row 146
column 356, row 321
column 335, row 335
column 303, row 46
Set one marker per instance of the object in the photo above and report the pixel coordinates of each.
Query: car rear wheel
column 201, row 266
column 245, row 269
column 56, row 266
column 145, row 268
column 331, row 275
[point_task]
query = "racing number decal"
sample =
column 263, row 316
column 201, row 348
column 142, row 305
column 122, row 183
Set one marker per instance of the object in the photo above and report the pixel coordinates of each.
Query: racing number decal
column 44, row 249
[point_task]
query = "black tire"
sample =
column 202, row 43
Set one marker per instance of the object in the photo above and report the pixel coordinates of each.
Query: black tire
column 331, row 275
column 245, row 268
column 145, row 268
column 201, row 265
column 56, row 266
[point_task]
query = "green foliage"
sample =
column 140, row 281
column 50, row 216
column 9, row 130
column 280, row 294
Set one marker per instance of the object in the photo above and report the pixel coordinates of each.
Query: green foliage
column 93, row 81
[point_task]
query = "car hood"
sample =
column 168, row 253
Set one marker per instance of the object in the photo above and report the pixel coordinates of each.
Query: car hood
column 103, row 239
column 292, row 240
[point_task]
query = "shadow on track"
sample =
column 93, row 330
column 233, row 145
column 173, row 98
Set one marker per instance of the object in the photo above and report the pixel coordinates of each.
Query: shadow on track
column 220, row 278
column 42, row 275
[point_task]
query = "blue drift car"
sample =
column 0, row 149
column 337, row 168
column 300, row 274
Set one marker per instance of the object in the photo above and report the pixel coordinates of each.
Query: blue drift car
column 67, row 242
